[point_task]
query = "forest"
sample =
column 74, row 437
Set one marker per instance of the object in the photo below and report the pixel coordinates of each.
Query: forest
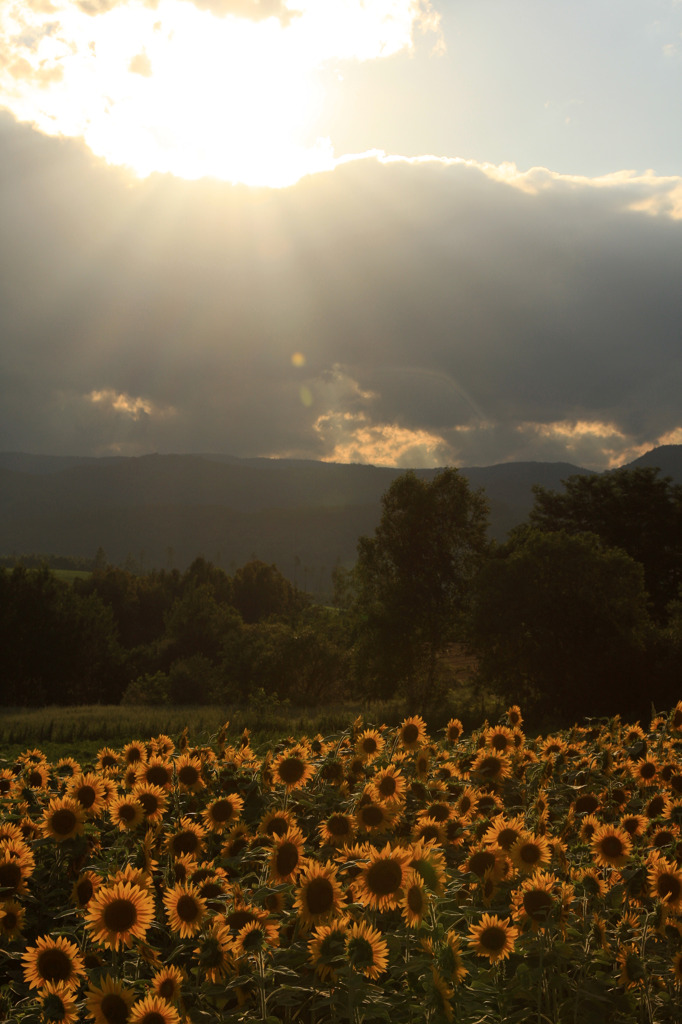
column 577, row 612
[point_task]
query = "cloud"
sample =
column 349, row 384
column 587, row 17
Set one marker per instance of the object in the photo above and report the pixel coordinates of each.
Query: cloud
column 438, row 310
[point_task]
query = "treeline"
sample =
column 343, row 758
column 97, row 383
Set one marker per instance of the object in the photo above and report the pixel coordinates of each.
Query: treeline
column 578, row 613
column 196, row 637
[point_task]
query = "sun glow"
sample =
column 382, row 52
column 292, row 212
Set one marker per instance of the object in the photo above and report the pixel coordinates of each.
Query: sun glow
column 173, row 87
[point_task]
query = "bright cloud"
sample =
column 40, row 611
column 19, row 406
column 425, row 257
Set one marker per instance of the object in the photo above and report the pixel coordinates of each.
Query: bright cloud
column 133, row 407
column 225, row 89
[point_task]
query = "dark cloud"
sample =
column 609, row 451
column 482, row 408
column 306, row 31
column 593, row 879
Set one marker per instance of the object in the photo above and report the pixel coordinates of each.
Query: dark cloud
column 444, row 313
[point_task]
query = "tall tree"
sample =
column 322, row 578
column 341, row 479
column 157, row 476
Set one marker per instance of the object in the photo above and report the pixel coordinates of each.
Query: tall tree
column 631, row 509
column 560, row 622
column 413, row 579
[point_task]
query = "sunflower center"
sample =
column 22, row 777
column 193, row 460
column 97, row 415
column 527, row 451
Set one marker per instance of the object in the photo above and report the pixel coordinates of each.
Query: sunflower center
column 388, row 786
column 167, row 989
column 153, row 1017
column 415, row 899
column 277, row 826
column 647, row 770
column 9, row 921
column 86, row 796
column 291, row 770
column 126, row 812
column 530, row 853
column 369, row 745
column 109, row 761
column 481, row 861
column 537, row 903
column 35, row 779
column 253, row 940
column 149, row 802
column 360, row 952
column 439, row 812
column 5, row 785
column 185, row 842
column 429, row 832
column 212, row 953
column 611, row 846
column 586, row 804
column 669, row 885
column 63, row 822
column 53, row 1008
column 371, row 815
column 84, row 891
column 114, row 1009
column 238, row 918
column 222, row 810
column 133, row 755
column 120, row 915
column 410, row 733
column 489, row 766
column 320, row 896
column 499, row 742
column 506, row 838
column 188, row 775
column 158, row 775
column 10, row 875
column 287, row 858
column 54, row 965
column 493, row 939
column 338, row 825
column 187, row 908
column 655, row 807
column 384, row 877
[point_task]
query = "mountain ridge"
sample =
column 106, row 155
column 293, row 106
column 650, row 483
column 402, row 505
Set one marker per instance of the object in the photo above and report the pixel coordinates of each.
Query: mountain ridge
column 162, row 511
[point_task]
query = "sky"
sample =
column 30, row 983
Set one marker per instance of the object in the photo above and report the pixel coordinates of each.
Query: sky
column 404, row 232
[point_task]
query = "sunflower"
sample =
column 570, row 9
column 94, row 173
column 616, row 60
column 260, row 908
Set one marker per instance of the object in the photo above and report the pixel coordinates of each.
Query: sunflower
column 107, row 760
column 415, row 899
column 493, row 937
column 388, row 785
column 453, row 730
column 287, row 857
column 12, row 916
column 500, row 739
column 85, row 887
column 467, row 802
column 634, row 824
column 319, row 895
column 37, row 776
column 412, row 733
column 213, row 953
column 369, row 745
column 428, row 860
column 514, row 716
column 58, row 1003
column 533, row 901
column 292, row 770
column 611, row 846
column 185, row 909
column 89, row 790
column 242, row 914
column 676, row 968
column 158, row 771
column 337, row 830
column 126, row 812
column 482, row 859
column 134, row 752
column 443, row 993
column 588, row 826
column 188, row 771
column 188, row 838
column 119, row 913
column 236, row 841
column 503, row 832
column 224, row 811
column 632, row 969
column 428, row 829
column 491, row 767
column 8, row 783
column 211, row 881
column 381, row 880
column 53, row 960
column 327, row 949
column 63, row 818
column 375, row 816
column 530, row 852
column 154, row 800
column 276, row 823
column 167, row 983
column 450, row 962
column 586, row 803
column 366, row 950
column 665, row 882
column 590, row 881
column 254, row 938
column 153, row 1010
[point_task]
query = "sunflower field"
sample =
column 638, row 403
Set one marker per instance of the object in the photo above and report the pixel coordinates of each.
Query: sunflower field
column 380, row 874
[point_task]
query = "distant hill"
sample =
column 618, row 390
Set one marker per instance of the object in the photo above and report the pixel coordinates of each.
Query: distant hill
column 161, row 511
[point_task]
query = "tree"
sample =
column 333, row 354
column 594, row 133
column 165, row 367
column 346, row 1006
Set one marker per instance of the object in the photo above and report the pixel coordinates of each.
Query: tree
column 561, row 621
column 630, row 509
column 413, row 579
column 259, row 591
